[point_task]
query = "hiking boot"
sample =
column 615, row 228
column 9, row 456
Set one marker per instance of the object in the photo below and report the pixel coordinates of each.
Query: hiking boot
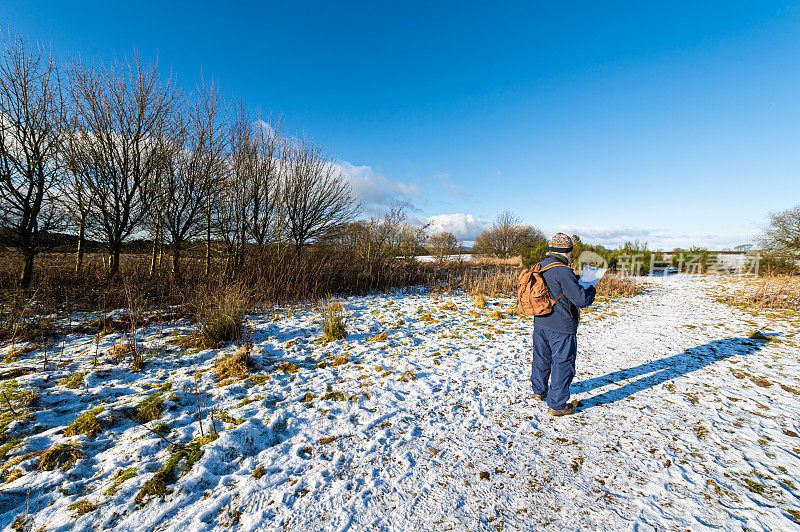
column 566, row 411
column 537, row 397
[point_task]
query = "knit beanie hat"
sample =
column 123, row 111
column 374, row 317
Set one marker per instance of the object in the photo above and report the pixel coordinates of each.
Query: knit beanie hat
column 561, row 243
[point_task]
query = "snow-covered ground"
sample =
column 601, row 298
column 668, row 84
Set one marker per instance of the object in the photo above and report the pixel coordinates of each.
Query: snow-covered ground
column 686, row 424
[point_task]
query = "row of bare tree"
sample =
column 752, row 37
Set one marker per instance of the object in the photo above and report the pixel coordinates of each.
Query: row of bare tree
column 111, row 152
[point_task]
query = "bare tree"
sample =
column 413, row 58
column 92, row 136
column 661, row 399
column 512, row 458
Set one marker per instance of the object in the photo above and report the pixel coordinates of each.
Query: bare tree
column 442, row 245
column 122, row 111
column 316, row 197
column 376, row 240
column 32, row 115
column 208, row 121
column 782, row 236
column 411, row 241
column 232, row 213
column 264, row 186
column 507, row 237
column 77, row 196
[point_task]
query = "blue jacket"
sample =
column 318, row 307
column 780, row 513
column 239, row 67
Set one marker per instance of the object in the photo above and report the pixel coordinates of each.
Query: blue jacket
column 566, row 311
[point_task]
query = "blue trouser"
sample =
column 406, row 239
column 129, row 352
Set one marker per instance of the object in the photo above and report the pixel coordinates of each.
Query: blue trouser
column 553, row 359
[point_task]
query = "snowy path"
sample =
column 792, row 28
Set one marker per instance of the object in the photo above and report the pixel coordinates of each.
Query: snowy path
column 686, row 424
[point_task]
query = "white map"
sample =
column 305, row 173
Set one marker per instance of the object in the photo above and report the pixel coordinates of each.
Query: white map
column 591, row 275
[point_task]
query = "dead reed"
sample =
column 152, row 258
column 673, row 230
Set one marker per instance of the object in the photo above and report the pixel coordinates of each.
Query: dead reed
column 770, row 291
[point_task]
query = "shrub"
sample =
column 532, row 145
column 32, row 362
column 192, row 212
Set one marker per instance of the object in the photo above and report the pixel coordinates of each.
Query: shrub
column 220, row 315
column 333, row 325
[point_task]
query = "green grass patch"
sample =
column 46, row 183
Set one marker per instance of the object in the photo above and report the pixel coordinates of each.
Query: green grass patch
column 153, row 405
column 73, row 381
column 86, row 424
column 333, row 395
column 176, row 466
column 83, row 507
column 119, row 477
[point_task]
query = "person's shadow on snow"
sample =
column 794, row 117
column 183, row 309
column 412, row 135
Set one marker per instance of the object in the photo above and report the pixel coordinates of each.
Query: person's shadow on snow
column 665, row 369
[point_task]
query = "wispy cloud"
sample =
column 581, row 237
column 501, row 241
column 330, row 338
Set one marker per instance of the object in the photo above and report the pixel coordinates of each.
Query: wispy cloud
column 445, row 181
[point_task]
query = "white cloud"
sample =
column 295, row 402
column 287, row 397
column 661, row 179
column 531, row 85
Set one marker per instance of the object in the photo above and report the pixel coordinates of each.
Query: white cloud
column 266, row 126
column 614, row 237
column 464, row 226
column 374, row 190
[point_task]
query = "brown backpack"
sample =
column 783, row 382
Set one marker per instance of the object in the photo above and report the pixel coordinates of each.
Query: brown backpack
column 533, row 297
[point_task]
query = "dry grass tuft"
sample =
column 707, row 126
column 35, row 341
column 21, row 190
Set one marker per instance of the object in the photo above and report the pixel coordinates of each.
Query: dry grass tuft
column 177, row 465
column 309, row 397
column 333, row 395
column 119, row 477
column 120, row 351
column 333, row 324
column 287, row 367
column 426, row 316
column 618, row 286
column 80, row 508
column 480, row 300
column 62, row 456
column 380, row 337
column 27, row 399
column 771, row 291
column 13, row 475
column 235, row 366
column 220, row 315
column 758, row 335
column 337, row 361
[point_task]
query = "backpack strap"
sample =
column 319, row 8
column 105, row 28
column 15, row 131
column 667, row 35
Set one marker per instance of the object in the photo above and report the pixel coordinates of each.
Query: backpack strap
column 542, row 270
column 552, row 266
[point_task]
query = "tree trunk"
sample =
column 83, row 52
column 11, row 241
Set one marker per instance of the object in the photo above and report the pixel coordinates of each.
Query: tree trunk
column 113, row 266
column 154, row 256
column 176, row 263
column 208, row 238
column 27, row 269
column 79, row 253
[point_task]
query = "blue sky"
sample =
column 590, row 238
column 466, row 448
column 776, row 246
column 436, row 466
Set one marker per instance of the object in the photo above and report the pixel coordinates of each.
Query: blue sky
column 675, row 123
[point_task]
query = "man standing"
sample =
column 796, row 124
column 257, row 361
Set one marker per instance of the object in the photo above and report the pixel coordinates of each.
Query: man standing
column 554, row 335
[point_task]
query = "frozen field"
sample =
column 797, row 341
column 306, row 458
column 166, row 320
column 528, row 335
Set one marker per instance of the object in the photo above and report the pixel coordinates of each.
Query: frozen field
column 686, row 424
